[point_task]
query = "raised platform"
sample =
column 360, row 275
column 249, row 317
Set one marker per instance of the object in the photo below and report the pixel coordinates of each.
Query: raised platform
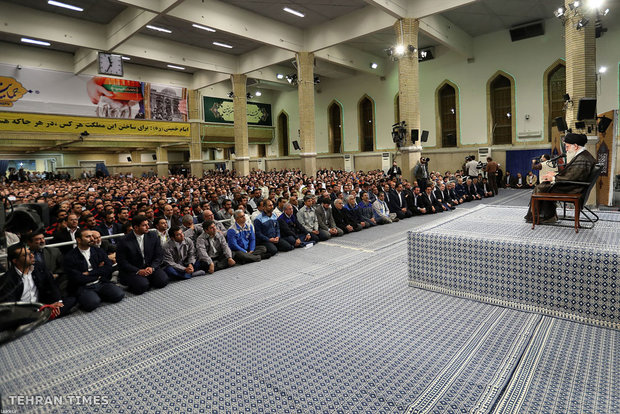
column 490, row 254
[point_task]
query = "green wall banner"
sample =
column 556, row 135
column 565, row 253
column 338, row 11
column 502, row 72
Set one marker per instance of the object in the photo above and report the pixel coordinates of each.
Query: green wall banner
column 221, row 110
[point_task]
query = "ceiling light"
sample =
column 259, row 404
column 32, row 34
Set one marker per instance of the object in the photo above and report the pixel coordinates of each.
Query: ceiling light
column 582, row 23
column 125, row 58
column 280, row 76
column 159, row 29
column 412, row 49
column 399, row 50
column 258, row 93
column 605, row 12
column 559, row 12
column 602, row 69
column 295, row 12
column 222, row 45
column 249, row 95
column 64, row 5
column 595, row 4
column 231, row 94
column 35, row 42
column 374, row 65
column 208, row 29
column 176, row 67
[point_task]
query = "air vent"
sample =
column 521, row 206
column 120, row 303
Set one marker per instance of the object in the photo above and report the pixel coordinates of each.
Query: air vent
column 527, row 30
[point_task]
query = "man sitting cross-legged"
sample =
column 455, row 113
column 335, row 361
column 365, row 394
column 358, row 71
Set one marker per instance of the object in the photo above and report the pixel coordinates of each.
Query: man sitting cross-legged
column 242, row 241
column 267, row 230
column 139, row 257
column 179, row 257
column 212, row 249
column 89, row 270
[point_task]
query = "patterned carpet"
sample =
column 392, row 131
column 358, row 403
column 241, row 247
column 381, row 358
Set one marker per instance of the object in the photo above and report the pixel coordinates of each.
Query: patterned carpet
column 330, row 329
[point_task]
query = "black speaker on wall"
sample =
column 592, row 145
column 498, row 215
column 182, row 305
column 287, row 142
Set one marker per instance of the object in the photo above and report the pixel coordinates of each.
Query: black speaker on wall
column 154, row 157
column 424, row 136
column 603, row 124
column 414, row 135
column 296, row 145
column 128, row 159
column 561, row 124
column 586, row 109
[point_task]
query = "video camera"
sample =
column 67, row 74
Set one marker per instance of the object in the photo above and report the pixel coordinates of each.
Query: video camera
column 399, row 133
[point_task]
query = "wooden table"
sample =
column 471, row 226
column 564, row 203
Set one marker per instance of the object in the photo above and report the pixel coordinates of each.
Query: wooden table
column 569, row 198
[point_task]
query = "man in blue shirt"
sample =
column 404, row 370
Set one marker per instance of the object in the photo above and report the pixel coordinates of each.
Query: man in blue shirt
column 242, row 241
column 267, row 230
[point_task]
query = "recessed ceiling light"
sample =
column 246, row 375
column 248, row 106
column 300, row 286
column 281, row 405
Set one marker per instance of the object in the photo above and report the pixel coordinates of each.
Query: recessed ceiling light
column 125, row 58
column 280, row 76
column 159, row 29
column 374, row 65
column 35, row 42
column 64, row 5
column 602, row 69
column 208, row 29
column 176, row 67
column 222, row 45
column 258, row 93
column 295, row 12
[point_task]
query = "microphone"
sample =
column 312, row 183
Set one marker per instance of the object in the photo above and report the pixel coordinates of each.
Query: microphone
column 557, row 157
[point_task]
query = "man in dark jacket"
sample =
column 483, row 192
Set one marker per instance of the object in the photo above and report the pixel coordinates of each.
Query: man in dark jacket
column 291, row 230
column 139, row 257
column 26, row 281
column 89, row 271
column 341, row 218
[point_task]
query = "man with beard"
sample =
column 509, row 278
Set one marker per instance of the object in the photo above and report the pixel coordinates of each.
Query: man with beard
column 579, row 167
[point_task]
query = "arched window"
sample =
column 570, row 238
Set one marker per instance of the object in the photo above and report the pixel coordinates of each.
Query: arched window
column 367, row 124
column 334, row 114
column 501, row 111
column 555, row 88
column 448, row 115
column 283, row 134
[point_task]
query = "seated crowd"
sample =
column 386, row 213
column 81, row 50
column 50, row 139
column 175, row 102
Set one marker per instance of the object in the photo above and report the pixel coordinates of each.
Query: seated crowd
column 176, row 228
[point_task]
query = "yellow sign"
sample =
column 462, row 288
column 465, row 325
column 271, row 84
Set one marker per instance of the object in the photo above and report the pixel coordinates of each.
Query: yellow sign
column 10, row 91
column 14, row 121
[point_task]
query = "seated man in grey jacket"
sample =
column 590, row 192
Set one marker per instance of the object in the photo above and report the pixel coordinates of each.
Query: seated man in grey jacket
column 382, row 211
column 212, row 249
column 326, row 219
column 308, row 219
column 179, row 257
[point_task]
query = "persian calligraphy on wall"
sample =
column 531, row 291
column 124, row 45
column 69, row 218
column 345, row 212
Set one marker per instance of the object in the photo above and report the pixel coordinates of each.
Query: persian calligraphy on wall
column 15, row 121
column 222, row 110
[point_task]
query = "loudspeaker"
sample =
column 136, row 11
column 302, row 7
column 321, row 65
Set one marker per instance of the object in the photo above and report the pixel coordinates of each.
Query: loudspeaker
column 603, row 124
column 586, row 109
column 128, row 159
column 561, row 124
column 414, row 135
column 296, row 145
column 424, row 137
column 154, row 157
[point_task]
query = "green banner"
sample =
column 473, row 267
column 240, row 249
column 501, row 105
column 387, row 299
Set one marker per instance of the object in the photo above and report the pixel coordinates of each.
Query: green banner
column 221, row 110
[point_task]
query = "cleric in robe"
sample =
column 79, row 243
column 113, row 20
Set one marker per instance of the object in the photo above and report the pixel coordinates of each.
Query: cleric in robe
column 580, row 163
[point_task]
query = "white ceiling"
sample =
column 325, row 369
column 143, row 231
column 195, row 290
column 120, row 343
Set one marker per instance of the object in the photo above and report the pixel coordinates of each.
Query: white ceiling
column 348, row 33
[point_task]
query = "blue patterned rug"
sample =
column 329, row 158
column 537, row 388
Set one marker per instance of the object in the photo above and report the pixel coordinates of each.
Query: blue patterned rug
column 335, row 328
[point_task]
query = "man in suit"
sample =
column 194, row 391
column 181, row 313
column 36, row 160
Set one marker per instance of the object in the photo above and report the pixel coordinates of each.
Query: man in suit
column 89, row 271
column 442, row 197
column 109, row 226
column 49, row 258
column 430, row 202
column 399, row 203
column 578, row 168
column 139, row 257
column 394, row 172
column 65, row 232
column 27, row 281
column 179, row 256
column 418, row 205
column 291, row 230
column 342, row 219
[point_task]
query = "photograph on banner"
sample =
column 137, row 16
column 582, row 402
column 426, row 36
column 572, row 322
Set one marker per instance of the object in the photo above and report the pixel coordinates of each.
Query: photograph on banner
column 222, row 110
column 63, row 93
